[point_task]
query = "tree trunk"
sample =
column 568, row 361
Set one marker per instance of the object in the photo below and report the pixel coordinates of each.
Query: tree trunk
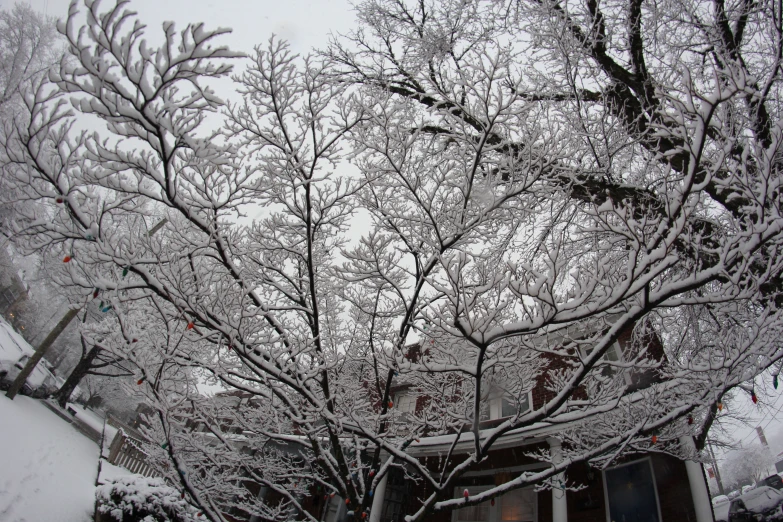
column 76, row 376
column 39, row 352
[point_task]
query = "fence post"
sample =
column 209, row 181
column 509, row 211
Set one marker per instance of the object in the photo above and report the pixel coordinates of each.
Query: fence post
column 116, row 446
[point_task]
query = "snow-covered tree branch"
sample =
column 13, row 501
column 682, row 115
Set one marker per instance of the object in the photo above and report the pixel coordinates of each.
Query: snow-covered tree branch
column 566, row 200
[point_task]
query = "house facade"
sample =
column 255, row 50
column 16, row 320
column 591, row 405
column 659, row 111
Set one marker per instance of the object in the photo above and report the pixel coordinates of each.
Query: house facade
column 647, row 487
column 13, row 292
column 644, row 488
column 651, row 487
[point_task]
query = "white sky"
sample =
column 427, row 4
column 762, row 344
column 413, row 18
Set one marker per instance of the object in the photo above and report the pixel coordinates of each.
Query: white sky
column 307, row 24
column 767, row 414
column 304, row 23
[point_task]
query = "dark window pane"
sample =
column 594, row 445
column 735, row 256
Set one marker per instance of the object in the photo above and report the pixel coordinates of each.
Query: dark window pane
column 631, row 492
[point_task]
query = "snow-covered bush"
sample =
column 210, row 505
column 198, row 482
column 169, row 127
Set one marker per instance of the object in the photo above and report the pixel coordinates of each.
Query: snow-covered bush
column 142, row 499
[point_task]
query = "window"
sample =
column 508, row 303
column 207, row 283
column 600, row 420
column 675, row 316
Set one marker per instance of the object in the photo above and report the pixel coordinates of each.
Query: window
column 502, row 406
column 334, row 513
column 476, row 513
column 8, row 296
column 516, row 506
column 631, row 493
column 396, row 498
column 613, row 354
column 405, row 403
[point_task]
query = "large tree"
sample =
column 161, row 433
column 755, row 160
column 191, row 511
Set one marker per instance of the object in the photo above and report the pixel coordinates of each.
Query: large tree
column 28, row 47
column 532, row 180
column 748, row 465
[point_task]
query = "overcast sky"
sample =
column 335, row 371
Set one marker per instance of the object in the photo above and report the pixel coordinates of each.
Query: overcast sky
column 307, row 24
column 304, row 23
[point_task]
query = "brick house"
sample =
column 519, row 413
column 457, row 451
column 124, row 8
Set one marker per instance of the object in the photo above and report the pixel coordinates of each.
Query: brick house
column 653, row 487
column 13, row 292
column 649, row 488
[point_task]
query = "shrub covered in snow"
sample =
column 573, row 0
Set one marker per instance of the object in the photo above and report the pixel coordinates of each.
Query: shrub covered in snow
column 141, row 499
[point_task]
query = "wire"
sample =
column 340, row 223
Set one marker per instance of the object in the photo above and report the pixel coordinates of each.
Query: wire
column 772, row 418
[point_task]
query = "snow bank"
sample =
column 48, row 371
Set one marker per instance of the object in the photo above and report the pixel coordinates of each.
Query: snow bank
column 47, row 468
column 112, row 473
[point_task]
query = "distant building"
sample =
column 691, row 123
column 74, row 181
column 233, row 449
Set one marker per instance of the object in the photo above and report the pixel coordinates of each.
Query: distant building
column 779, row 462
column 13, row 292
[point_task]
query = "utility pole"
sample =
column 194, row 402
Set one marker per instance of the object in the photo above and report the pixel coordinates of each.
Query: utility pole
column 56, row 331
column 715, row 467
column 39, row 353
column 157, row 227
column 83, row 367
column 762, row 437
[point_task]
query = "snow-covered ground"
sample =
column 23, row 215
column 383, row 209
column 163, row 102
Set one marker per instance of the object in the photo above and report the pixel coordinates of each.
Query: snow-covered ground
column 93, row 420
column 47, row 468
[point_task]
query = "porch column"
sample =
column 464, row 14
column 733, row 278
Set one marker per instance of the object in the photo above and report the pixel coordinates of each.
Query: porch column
column 698, row 483
column 559, row 501
column 377, row 498
column 261, row 494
